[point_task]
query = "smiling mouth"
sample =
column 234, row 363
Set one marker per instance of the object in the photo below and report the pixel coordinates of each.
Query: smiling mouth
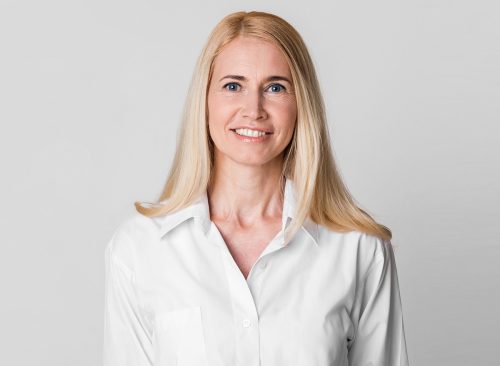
column 259, row 131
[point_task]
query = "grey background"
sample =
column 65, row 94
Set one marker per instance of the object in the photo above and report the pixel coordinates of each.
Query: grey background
column 91, row 94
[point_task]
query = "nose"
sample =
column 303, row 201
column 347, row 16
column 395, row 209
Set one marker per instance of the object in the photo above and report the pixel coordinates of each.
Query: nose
column 253, row 106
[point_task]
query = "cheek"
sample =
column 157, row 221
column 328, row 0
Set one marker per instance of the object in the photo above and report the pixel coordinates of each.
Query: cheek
column 287, row 118
column 219, row 109
column 219, row 115
column 284, row 106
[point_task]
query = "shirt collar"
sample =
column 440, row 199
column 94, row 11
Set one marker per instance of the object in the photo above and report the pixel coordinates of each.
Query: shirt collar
column 199, row 210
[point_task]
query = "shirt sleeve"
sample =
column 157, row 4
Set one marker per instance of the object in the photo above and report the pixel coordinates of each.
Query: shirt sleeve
column 126, row 340
column 380, row 338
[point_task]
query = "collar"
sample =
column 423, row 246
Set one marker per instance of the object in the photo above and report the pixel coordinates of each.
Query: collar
column 199, row 210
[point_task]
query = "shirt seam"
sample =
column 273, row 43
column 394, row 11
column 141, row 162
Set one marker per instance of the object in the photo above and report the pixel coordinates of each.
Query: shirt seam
column 131, row 276
column 373, row 265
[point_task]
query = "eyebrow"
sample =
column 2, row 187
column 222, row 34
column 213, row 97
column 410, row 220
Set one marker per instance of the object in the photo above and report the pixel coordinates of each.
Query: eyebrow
column 270, row 78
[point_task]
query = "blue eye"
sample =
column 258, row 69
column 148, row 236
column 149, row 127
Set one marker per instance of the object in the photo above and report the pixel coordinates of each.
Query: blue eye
column 277, row 85
column 232, row 89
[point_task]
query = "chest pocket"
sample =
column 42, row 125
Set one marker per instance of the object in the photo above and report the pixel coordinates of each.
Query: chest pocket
column 179, row 338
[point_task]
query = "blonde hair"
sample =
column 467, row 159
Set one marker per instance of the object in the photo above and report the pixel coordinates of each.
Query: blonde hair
column 307, row 160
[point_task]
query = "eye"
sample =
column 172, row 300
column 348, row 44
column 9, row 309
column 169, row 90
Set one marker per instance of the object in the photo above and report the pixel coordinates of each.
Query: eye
column 231, row 84
column 276, row 87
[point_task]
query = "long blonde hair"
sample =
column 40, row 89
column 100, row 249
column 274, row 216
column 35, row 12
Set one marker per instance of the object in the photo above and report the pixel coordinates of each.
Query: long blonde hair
column 308, row 159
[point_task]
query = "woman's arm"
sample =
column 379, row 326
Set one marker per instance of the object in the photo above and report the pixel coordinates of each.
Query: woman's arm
column 380, row 338
column 126, row 340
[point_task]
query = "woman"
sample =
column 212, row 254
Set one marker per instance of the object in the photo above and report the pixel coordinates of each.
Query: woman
column 278, row 266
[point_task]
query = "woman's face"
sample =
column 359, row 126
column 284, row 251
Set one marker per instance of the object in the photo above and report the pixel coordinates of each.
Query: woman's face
column 251, row 92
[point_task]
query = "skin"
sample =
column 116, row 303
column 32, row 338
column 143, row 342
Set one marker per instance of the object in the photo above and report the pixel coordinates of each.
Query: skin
column 244, row 200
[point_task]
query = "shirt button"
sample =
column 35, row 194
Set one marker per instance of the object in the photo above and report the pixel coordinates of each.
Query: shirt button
column 246, row 323
column 263, row 265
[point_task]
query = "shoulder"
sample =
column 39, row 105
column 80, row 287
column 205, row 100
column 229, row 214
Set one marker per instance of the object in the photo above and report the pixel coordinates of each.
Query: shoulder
column 131, row 237
column 359, row 248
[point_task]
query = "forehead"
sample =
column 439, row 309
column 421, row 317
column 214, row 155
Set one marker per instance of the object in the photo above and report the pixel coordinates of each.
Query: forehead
column 251, row 54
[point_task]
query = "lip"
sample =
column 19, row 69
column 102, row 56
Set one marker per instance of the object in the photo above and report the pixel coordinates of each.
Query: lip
column 269, row 132
column 249, row 139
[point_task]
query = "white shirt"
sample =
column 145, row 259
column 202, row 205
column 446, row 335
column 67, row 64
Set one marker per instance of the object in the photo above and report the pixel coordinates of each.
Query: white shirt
column 175, row 296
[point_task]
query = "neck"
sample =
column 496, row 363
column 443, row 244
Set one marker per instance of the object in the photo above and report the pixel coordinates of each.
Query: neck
column 246, row 194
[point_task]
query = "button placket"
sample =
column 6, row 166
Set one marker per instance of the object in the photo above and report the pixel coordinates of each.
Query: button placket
column 244, row 308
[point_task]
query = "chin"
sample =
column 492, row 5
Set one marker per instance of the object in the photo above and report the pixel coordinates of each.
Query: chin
column 252, row 160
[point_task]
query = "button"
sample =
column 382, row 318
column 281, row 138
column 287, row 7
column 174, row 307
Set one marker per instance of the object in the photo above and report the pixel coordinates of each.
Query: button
column 263, row 264
column 246, row 323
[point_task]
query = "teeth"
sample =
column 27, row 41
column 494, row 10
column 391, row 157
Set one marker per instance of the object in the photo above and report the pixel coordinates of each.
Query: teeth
column 250, row 133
